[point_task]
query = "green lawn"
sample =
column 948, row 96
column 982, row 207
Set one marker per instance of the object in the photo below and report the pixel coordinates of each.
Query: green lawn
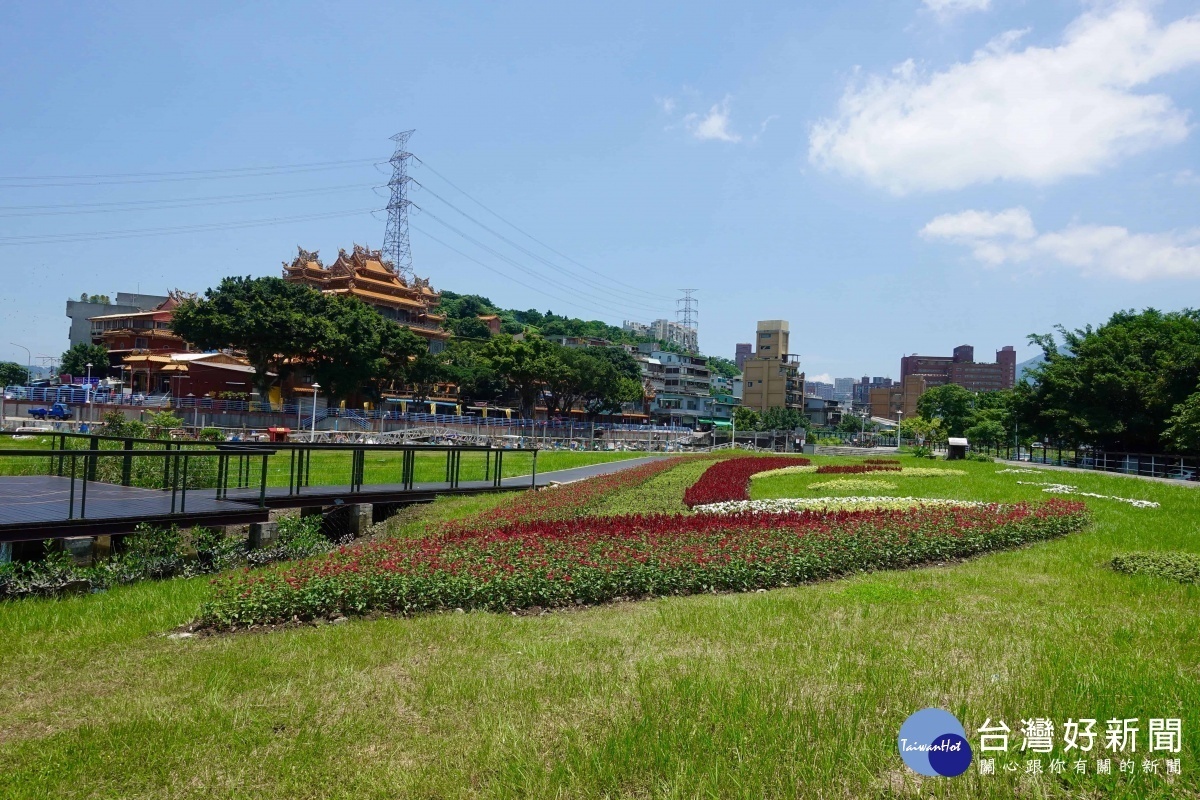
column 794, row 692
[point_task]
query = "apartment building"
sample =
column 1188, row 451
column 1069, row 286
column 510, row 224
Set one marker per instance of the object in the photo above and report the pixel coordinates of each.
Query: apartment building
column 678, row 385
column 772, row 376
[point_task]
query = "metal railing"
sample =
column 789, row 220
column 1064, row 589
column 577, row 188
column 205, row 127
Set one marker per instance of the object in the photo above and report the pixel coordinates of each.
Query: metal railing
column 1148, row 465
column 77, row 478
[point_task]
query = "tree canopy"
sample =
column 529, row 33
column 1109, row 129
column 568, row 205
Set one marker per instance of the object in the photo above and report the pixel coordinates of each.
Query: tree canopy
column 74, row 361
column 1125, row 385
column 13, row 373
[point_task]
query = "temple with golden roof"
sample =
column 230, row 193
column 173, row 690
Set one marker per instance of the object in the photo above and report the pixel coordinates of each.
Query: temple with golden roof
column 367, row 275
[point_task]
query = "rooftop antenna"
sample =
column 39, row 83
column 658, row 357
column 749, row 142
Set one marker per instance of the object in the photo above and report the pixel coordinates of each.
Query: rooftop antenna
column 395, row 239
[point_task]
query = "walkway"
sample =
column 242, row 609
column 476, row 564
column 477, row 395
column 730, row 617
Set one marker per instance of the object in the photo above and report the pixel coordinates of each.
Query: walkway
column 47, row 506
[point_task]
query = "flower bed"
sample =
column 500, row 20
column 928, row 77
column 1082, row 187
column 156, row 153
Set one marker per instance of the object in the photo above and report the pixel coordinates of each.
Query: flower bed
column 1065, row 488
column 881, row 461
column 853, row 484
column 568, row 500
column 855, row 469
column 549, row 563
column 796, row 505
column 771, row 473
column 932, row 472
column 730, row 479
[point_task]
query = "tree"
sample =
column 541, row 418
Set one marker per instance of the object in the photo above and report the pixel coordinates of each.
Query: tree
column 854, row 424
column 780, row 418
column 724, row 367
column 471, row 328
column 349, row 356
column 952, row 404
column 1182, row 433
column 1116, row 386
column 986, row 431
column 922, row 431
column 746, row 419
column 524, row 364
column 12, row 373
column 74, row 362
column 273, row 321
column 463, row 364
column 398, row 349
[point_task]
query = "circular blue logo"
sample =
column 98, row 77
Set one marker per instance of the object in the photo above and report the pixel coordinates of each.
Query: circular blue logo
column 933, row 742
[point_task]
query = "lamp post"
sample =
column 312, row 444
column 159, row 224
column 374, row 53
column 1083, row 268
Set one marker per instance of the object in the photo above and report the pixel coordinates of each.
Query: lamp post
column 28, row 362
column 899, row 414
column 192, row 400
column 313, row 432
column 89, row 390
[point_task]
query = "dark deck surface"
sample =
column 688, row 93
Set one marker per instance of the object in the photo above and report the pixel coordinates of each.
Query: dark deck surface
column 40, row 506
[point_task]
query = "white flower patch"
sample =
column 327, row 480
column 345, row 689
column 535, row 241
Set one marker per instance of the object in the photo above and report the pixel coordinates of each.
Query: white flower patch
column 1020, row 471
column 796, row 505
column 798, row 470
column 1066, row 488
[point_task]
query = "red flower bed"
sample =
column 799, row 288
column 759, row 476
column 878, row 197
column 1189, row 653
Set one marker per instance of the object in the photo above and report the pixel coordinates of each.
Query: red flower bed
column 855, row 469
column 730, row 479
column 567, row 501
column 881, row 461
column 550, row 563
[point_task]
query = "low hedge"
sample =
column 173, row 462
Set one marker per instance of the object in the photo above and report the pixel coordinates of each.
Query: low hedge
column 1175, row 566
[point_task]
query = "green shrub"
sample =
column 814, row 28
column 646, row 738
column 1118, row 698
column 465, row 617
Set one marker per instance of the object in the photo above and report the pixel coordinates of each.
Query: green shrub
column 921, row 451
column 1175, row 566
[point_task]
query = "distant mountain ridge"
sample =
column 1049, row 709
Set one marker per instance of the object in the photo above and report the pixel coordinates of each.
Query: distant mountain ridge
column 1025, row 366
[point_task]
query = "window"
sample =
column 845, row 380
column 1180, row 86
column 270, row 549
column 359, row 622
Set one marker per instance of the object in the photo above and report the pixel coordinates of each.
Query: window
column 140, row 343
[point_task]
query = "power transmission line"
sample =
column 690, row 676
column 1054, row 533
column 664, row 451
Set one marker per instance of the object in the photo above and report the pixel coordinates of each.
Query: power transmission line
column 518, row 265
column 539, row 258
column 506, row 276
column 183, row 172
column 13, row 241
column 529, row 235
column 199, row 175
column 156, row 205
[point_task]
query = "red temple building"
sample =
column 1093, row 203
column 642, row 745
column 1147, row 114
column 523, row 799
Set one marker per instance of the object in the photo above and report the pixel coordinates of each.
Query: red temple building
column 367, row 275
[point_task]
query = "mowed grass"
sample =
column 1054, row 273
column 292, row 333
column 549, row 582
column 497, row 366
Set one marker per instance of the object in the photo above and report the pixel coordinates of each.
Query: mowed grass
column 795, row 692
column 334, row 468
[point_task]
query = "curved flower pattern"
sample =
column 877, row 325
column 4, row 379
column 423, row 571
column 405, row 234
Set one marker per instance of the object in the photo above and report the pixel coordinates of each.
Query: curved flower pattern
column 549, row 563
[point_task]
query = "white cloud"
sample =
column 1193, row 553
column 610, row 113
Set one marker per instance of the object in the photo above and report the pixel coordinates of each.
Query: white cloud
column 1036, row 114
column 824, row 377
column 714, row 125
column 667, row 104
column 1009, row 237
column 954, row 6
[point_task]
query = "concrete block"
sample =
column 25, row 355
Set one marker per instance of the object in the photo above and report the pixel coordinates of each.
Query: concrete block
column 361, row 518
column 263, row 534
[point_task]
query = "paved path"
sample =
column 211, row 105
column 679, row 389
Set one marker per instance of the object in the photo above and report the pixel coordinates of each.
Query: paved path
column 1081, row 471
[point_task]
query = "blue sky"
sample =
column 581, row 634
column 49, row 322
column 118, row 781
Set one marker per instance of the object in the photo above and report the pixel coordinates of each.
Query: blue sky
column 892, row 177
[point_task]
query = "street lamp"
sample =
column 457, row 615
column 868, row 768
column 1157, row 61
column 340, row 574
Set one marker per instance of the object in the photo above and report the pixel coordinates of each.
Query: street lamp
column 89, row 390
column 313, row 433
column 899, row 414
column 28, row 362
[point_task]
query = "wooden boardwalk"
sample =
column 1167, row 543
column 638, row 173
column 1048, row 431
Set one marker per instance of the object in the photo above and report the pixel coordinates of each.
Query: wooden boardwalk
column 46, row 506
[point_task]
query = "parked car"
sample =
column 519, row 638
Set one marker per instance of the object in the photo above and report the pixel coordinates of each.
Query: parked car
column 15, row 393
column 1182, row 474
